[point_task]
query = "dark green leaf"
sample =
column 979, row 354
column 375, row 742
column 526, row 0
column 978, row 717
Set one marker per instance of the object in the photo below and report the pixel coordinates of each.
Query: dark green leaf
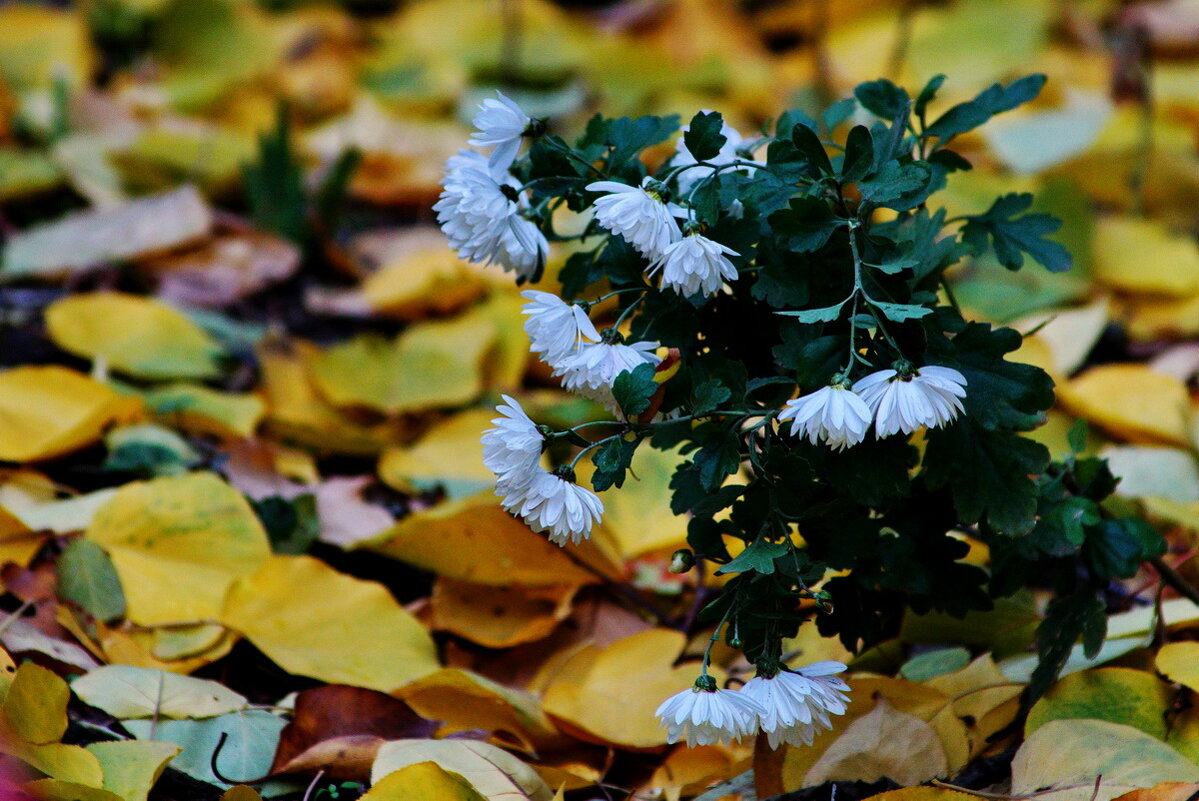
column 989, row 473
column 808, row 143
column 805, row 225
column 838, row 112
column 882, row 98
column 859, row 154
column 824, row 315
column 274, row 186
column 758, row 557
column 1011, row 236
column 898, row 186
column 611, row 462
column 628, row 137
column 703, row 137
column 927, row 94
column 901, row 312
column 994, row 100
column 720, row 456
column 1117, row 548
column 709, row 395
column 1080, row 614
column 633, row 389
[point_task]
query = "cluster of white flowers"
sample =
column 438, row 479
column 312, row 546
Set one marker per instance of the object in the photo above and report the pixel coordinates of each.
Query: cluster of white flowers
column 689, row 264
column 548, row 501
column 840, row 416
column 568, row 342
column 788, row 707
column 481, row 207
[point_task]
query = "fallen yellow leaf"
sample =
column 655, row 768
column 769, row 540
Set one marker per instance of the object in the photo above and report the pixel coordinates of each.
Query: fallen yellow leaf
column 1066, row 756
column 313, row 621
column 201, row 410
column 132, row 767
column 134, row 335
column 1133, row 401
column 178, row 543
column 503, row 550
column 594, row 696
column 423, row 780
column 499, row 617
column 1140, row 255
column 1118, row 695
column 430, row 365
column 492, row 772
column 48, row 411
column 463, row 700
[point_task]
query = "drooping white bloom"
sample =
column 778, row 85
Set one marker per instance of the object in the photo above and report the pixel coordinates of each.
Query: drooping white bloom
column 709, row 716
column 483, row 221
column 556, row 328
column 796, row 704
column 689, row 177
column 638, row 215
column 930, row 396
column 591, row 370
column 557, row 506
column 501, row 123
column 832, row 414
column 512, row 450
column 695, row 264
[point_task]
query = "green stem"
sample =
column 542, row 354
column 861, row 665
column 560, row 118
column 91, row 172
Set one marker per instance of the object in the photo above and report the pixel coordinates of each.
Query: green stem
column 616, row 292
column 593, row 446
column 566, row 151
column 627, row 311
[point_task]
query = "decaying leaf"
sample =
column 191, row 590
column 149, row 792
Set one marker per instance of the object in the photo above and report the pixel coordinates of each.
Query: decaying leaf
column 145, row 227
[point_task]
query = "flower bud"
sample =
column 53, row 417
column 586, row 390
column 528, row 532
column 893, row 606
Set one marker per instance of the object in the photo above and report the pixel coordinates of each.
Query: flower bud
column 682, row 560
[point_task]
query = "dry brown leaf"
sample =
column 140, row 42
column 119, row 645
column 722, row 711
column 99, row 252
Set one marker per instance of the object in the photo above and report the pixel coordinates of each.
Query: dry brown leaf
column 224, row 270
column 338, row 729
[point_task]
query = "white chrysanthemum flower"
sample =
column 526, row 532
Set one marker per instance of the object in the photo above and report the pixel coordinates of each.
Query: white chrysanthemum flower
column 688, row 178
column 556, row 328
column 512, row 450
column 832, row 414
column 695, row 264
column 930, row 396
column 705, row 715
column 798, row 703
column 595, row 365
column 555, row 504
column 480, row 213
column 501, row 123
column 636, row 214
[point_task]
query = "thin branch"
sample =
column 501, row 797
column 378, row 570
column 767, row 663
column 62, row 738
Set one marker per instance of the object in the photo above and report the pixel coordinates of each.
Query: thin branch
column 1175, row 579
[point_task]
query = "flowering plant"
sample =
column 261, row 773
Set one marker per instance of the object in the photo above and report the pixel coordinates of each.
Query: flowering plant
column 783, row 320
